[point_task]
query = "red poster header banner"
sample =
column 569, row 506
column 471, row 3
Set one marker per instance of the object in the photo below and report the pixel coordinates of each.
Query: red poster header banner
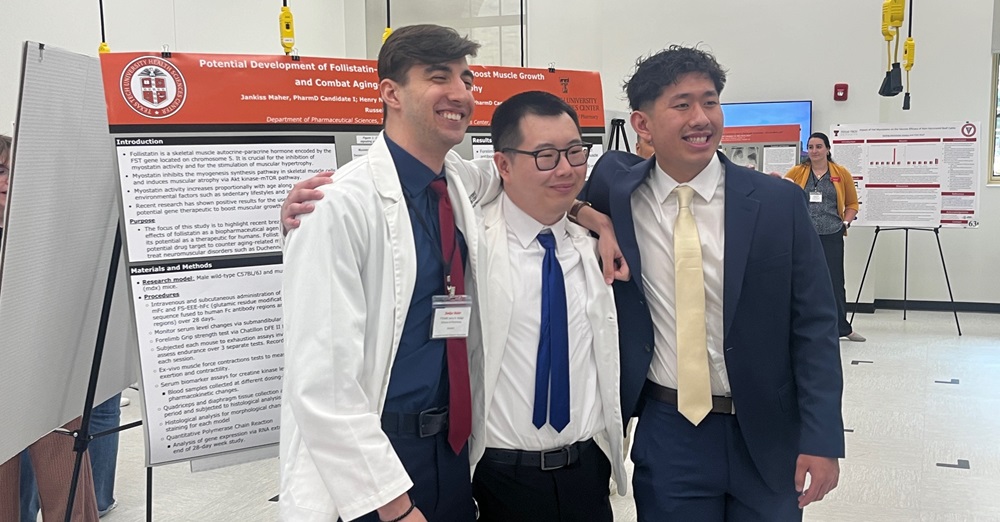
column 761, row 134
column 195, row 91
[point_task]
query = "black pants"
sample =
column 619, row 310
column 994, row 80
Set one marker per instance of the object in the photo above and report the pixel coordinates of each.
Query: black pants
column 833, row 247
column 520, row 493
column 441, row 487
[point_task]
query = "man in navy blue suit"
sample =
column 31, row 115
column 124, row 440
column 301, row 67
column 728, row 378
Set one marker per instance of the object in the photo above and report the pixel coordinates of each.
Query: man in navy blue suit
column 773, row 416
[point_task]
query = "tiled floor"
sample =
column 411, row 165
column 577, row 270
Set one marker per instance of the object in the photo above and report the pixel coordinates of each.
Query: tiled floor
column 905, row 424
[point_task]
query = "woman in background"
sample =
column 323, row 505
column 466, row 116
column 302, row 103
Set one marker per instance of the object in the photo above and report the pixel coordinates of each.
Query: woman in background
column 833, row 205
column 52, row 456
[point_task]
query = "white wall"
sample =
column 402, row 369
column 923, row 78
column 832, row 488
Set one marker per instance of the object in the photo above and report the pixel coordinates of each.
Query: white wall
column 790, row 49
column 954, row 83
column 207, row 26
column 774, row 50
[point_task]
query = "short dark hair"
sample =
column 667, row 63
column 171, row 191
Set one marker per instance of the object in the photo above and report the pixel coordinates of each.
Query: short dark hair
column 655, row 72
column 421, row 44
column 506, row 126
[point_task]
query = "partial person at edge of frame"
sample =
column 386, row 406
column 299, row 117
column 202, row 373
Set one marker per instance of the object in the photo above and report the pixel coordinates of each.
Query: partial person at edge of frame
column 52, row 456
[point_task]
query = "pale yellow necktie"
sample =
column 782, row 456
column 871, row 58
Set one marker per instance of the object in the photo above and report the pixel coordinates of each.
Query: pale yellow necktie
column 694, row 389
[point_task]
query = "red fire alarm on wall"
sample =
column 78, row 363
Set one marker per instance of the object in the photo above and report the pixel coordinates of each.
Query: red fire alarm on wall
column 840, row 92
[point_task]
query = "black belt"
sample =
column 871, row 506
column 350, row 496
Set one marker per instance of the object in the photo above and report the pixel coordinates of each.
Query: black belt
column 424, row 424
column 547, row 460
column 669, row 396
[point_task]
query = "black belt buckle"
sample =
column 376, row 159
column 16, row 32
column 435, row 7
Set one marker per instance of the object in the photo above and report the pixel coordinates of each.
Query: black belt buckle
column 565, row 450
column 430, row 422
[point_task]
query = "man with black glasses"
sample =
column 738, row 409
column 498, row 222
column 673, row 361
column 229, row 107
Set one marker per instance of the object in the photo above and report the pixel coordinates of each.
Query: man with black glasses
column 550, row 429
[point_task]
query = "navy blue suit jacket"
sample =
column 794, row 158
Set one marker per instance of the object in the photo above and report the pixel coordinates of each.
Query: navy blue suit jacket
column 780, row 318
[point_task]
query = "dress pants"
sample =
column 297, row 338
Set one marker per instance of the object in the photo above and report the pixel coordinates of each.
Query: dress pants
column 687, row 473
column 522, row 493
column 442, row 488
column 833, row 248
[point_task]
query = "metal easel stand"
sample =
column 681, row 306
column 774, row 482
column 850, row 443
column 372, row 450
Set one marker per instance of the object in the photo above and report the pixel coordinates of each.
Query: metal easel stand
column 82, row 436
column 906, row 262
column 618, row 135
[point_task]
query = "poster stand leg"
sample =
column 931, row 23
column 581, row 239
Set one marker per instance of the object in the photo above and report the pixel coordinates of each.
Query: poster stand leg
column 906, row 267
column 906, row 263
column 857, row 299
column 82, row 436
column 954, row 309
column 618, row 133
column 149, row 493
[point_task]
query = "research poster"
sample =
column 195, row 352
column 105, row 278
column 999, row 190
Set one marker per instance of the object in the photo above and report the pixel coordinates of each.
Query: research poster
column 204, row 256
column 207, row 147
column 268, row 93
column 765, row 148
column 196, row 196
column 482, row 147
column 913, row 175
column 779, row 158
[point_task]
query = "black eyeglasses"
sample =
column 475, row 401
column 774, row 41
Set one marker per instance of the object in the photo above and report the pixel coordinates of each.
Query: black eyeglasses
column 548, row 159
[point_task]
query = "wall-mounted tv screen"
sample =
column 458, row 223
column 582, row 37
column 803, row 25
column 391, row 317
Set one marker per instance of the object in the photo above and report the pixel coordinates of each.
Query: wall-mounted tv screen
column 771, row 113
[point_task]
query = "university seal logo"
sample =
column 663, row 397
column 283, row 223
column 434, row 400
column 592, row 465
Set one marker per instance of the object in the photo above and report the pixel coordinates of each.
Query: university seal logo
column 153, row 87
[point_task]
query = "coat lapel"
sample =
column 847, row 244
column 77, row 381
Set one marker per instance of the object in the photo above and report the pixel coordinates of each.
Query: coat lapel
column 397, row 219
column 498, row 299
column 600, row 307
column 621, row 215
column 741, row 218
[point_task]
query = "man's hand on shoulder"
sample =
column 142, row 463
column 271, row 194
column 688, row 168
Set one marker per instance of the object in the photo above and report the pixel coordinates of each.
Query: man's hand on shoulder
column 297, row 202
column 612, row 260
column 824, row 473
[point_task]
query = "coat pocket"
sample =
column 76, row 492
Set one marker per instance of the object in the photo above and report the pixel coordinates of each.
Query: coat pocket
column 787, row 397
column 758, row 266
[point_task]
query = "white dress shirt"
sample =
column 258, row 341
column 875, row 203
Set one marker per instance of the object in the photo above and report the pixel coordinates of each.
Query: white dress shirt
column 654, row 208
column 508, row 422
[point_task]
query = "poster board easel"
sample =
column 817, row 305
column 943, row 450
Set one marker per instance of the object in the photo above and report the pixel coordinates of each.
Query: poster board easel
column 906, row 263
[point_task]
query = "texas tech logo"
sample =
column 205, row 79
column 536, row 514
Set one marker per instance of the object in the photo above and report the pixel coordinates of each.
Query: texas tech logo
column 153, row 87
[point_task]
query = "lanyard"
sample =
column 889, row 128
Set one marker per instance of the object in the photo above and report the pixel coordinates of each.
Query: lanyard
column 437, row 251
column 816, row 180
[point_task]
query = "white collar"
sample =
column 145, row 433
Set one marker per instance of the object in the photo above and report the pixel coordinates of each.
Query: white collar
column 526, row 228
column 704, row 183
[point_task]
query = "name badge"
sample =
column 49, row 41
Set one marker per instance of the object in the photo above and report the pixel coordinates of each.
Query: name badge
column 452, row 315
column 815, row 197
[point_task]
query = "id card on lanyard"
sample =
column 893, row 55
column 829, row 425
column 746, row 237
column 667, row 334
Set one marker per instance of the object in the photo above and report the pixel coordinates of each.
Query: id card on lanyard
column 452, row 314
column 815, row 196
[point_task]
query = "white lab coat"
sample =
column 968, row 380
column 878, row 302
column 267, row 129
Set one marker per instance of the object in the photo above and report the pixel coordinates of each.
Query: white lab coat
column 349, row 276
column 495, row 286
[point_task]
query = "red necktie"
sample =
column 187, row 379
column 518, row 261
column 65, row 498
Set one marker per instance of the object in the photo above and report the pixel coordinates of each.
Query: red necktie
column 459, row 394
